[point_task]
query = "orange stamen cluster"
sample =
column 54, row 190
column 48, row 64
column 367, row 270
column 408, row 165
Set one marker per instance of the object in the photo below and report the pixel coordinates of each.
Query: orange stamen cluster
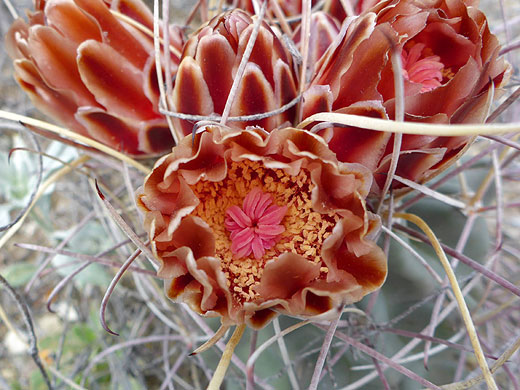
column 305, row 229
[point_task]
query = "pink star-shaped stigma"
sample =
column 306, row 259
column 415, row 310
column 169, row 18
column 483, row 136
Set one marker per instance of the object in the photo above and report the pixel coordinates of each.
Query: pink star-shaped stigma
column 422, row 70
column 256, row 226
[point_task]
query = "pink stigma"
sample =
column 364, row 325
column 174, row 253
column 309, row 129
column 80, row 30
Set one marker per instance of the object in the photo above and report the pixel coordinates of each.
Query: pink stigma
column 256, row 226
column 426, row 71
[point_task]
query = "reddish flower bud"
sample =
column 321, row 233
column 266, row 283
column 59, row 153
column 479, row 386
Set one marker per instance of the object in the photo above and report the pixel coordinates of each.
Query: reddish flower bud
column 209, row 64
column 247, row 224
column 324, row 29
column 93, row 72
column 451, row 69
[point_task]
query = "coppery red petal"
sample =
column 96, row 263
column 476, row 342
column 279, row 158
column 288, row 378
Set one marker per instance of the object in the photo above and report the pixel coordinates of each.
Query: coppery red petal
column 285, row 89
column 215, row 58
column 114, row 34
column 254, row 96
column 55, row 57
column 55, row 104
column 112, row 131
column 67, row 18
column 155, row 137
column 339, row 58
column 113, row 80
column 324, row 29
column 135, row 10
column 16, row 40
column 191, row 94
column 286, row 275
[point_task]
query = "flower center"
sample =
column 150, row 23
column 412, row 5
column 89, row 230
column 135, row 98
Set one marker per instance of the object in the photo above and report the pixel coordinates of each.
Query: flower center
column 256, row 226
column 421, row 68
column 256, row 214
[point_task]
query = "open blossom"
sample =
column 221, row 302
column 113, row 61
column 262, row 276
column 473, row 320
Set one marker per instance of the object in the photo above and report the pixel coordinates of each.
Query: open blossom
column 247, row 224
column 93, row 72
column 209, row 65
column 451, row 71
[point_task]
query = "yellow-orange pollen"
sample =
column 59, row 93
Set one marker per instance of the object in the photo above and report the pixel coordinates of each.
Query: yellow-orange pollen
column 305, row 229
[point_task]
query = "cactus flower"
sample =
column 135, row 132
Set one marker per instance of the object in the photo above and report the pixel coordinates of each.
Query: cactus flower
column 451, row 70
column 246, row 224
